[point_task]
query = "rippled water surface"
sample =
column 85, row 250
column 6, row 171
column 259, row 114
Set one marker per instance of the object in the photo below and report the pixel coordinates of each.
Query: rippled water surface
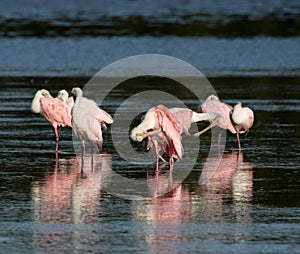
column 251, row 204
column 250, row 52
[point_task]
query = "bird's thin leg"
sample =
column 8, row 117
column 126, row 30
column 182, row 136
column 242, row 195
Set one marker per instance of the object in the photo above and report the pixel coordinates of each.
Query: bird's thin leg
column 82, row 155
column 57, row 138
column 160, row 157
column 92, row 159
column 56, row 147
column 56, row 161
column 157, row 156
column 157, row 163
column 170, row 181
column 56, row 134
column 215, row 122
column 239, row 142
column 171, row 163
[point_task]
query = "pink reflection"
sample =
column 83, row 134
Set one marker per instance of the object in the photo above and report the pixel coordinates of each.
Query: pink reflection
column 173, row 207
column 66, row 195
column 165, row 214
column 226, row 189
column 225, row 174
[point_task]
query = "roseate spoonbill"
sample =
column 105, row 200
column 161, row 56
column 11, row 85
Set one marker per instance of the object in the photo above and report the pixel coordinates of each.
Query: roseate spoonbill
column 243, row 119
column 88, row 119
column 56, row 112
column 63, row 95
column 164, row 126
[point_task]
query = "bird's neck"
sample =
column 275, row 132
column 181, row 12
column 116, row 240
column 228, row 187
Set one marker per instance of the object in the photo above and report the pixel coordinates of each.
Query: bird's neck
column 77, row 100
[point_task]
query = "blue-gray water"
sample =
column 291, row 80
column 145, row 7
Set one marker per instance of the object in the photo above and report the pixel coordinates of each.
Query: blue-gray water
column 250, row 52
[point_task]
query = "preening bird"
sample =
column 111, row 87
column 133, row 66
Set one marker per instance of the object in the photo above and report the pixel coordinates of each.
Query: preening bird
column 236, row 119
column 213, row 105
column 242, row 119
column 88, row 119
column 163, row 128
column 55, row 111
column 63, row 95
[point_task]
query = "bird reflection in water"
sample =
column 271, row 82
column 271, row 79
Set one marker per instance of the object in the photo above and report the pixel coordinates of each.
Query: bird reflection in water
column 227, row 188
column 64, row 200
column 226, row 195
column 164, row 214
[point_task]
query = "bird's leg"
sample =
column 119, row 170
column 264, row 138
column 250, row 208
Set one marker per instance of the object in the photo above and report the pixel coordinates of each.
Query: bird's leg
column 92, row 160
column 160, row 157
column 216, row 121
column 171, row 180
column 157, row 156
column 56, row 147
column 82, row 155
column 56, row 161
column 57, row 138
column 171, row 164
column 239, row 142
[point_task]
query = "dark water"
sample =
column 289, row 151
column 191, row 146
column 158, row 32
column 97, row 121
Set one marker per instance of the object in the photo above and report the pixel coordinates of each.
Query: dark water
column 251, row 205
column 250, row 52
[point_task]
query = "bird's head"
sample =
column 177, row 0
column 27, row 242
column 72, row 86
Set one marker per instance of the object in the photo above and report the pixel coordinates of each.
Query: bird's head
column 45, row 93
column 35, row 105
column 77, row 91
column 213, row 98
column 146, row 128
column 237, row 105
column 62, row 95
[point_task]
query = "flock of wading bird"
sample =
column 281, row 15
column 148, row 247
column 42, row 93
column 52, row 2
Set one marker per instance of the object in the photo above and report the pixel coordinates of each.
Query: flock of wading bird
column 162, row 126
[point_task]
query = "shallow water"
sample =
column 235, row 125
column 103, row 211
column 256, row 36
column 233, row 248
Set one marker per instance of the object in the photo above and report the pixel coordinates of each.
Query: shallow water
column 250, row 206
column 249, row 51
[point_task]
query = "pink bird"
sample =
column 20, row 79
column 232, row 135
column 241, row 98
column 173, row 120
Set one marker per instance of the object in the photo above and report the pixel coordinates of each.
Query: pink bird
column 164, row 127
column 240, row 123
column 56, row 112
column 88, row 120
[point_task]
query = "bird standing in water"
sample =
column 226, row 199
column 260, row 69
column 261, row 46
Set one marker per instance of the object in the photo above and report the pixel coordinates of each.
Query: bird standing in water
column 163, row 128
column 88, row 120
column 237, row 119
column 242, row 119
column 55, row 111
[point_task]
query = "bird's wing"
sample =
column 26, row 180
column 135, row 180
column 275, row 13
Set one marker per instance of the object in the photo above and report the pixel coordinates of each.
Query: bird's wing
column 93, row 109
column 70, row 102
column 56, row 111
column 103, row 116
column 171, row 130
column 223, row 110
column 183, row 117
